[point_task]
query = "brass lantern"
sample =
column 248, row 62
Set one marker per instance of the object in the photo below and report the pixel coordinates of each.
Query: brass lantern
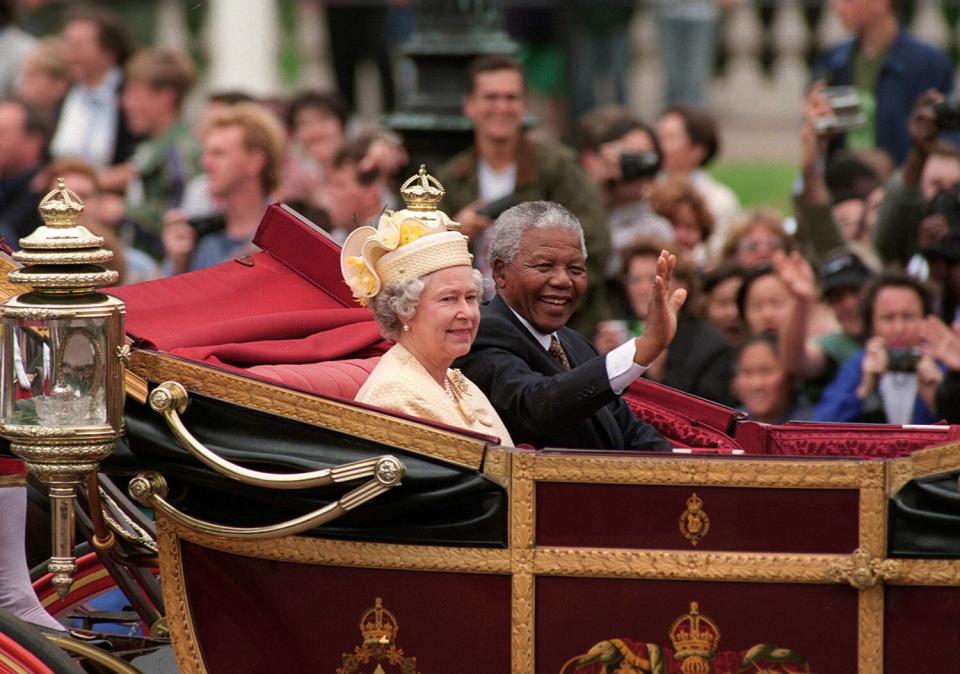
column 61, row 393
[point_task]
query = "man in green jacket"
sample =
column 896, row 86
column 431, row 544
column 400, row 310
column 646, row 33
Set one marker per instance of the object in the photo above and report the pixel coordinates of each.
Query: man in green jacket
column 505, row 167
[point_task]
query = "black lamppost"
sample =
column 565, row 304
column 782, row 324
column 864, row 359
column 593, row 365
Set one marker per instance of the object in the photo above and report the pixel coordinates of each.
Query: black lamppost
column 448, row 35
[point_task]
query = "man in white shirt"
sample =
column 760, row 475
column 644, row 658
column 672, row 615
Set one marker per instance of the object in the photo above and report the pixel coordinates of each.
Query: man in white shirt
column 545, row 380
column 91, row 126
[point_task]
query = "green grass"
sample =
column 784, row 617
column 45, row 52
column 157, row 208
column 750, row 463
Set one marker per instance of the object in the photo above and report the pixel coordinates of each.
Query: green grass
column 758, row 183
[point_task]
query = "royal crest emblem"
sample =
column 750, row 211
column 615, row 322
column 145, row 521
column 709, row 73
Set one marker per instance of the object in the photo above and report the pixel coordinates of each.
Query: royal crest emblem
column 694, row 522
column 378, row 654
column 695, row 640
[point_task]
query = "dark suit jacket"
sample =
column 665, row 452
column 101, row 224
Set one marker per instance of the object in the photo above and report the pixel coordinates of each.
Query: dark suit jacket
column 541, row 403
column 699, row 360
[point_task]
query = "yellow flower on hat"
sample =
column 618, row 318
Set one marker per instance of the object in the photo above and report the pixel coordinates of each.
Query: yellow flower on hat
column 411, row 230
column 405, row 244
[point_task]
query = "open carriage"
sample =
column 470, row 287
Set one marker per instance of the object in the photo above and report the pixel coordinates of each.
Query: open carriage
column 300, row 531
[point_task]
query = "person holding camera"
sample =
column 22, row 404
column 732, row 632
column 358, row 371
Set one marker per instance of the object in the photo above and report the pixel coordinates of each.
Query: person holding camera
column 352, row 197
column 895, row 379
column 888, row 68
column 621, row 155
column 836, row 200
column 944, row 344
column 920, row 204
column 505, row 166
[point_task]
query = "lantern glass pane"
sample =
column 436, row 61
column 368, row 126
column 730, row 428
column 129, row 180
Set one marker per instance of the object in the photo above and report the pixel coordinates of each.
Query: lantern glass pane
column 54, row 372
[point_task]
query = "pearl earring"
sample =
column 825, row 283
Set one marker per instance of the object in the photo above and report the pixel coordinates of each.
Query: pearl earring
column 406, row 327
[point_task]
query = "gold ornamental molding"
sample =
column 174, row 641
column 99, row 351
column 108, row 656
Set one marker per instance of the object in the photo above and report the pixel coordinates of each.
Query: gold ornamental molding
column 522, row 617
column 736, row 472
column 308, row 550
column 676, row 565
column 496, row 465
column 522, row 504
column 8, row 288
column 186, row 648
column 929, row 572
column 873, row 517
column 345, row 418
column 922, row 463
column 863, row 571
column 870, row 631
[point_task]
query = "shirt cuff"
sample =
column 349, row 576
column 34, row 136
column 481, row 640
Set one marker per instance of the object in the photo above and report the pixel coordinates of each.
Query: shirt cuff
column 621, row 370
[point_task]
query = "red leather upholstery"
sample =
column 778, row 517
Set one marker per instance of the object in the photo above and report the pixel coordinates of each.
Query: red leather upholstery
column 869, row 441
column 338, row 378
column 683, row 419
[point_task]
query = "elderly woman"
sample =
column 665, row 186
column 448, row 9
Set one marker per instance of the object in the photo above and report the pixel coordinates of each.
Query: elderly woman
column 424, row 294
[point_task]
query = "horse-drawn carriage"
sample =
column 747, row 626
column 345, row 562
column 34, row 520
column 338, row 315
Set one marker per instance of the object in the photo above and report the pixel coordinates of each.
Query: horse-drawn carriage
column 299, row 531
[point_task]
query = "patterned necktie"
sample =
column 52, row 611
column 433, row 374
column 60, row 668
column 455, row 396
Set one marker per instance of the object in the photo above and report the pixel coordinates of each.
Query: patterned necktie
column 556, row 350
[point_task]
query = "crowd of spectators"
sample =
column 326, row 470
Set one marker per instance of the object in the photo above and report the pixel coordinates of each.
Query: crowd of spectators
column 848, row 310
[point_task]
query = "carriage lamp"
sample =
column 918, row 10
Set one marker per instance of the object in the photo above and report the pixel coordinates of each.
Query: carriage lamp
column 61, row 364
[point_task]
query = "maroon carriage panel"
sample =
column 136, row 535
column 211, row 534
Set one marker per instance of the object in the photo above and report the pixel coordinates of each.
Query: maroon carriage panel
column 921, row 630
column 744, row 520
column 254, row 615
column 817, row 622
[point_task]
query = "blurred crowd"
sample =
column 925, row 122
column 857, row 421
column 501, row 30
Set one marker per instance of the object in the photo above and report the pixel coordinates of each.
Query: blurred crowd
column 847, row 310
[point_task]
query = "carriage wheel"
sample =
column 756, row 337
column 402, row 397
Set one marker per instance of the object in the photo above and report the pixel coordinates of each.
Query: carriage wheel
column 24, row 649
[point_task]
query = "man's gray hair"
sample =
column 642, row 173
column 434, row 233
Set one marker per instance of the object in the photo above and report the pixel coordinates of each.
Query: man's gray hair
column 514, row 222
column 396, row 303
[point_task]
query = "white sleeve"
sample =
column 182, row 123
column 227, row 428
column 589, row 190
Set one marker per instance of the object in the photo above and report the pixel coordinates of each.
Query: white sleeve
column 621, row 370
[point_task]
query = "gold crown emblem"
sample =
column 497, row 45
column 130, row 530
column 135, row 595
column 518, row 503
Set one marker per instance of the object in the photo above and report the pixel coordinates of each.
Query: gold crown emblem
column 378, row 625
column 61, row 207
column 422, row 192
column 695, row 638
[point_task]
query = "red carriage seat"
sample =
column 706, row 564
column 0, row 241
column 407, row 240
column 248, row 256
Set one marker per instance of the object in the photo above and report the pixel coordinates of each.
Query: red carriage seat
column 338, row 378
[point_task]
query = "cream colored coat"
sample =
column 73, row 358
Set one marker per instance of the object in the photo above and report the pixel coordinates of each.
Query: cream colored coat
column 399, row 382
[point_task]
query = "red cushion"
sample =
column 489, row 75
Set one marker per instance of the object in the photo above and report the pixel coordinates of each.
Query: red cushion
column 338, row 378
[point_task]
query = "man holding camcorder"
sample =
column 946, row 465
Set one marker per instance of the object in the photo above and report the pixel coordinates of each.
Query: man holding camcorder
column 919, row 220
column 621, row 156
column 887, row 68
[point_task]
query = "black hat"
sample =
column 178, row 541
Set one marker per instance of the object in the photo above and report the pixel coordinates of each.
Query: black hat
column 843, row 270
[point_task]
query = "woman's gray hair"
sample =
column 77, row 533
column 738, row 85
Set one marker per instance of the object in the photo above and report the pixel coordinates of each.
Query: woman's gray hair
column 514, row 222
column 396, row 303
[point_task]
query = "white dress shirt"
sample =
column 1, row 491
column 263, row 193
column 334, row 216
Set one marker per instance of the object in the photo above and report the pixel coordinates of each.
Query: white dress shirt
column 621, row 369
column 87, row 128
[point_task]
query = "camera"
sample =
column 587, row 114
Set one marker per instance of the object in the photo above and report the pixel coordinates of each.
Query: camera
column 948, row 114
column 947, row 203
column 902, row 359
column 637, row 165
column 207, row 224
column 846, row 112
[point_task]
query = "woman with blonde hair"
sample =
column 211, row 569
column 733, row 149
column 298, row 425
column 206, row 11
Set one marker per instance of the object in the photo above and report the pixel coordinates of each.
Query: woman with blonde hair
column 756, row 236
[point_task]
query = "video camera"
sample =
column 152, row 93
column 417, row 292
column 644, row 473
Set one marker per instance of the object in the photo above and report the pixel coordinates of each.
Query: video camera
column 948, row 114
column 638, row 165
column 902, row 359
column 846, row 112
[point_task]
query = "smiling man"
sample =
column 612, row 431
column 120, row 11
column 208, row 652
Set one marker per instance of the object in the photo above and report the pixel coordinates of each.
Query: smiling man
column 545, row 380
column 505, row 166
